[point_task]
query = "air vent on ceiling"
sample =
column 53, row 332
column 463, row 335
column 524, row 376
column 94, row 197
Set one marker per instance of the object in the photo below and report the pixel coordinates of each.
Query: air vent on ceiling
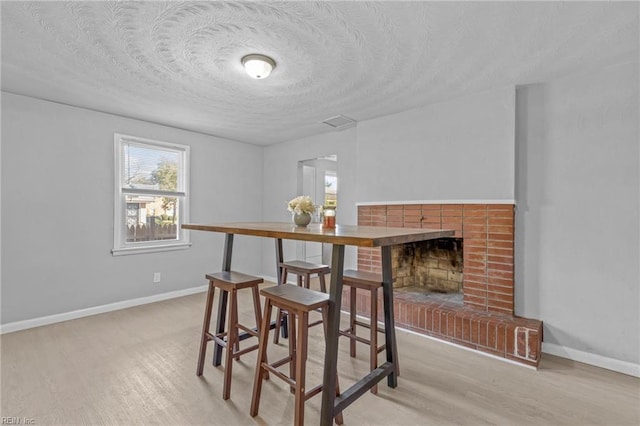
column 340, row 122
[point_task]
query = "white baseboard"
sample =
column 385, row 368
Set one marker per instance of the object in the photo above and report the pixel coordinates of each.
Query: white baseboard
column 80, row 313
column 274, row 280
column 617, row 365
column 269, row 278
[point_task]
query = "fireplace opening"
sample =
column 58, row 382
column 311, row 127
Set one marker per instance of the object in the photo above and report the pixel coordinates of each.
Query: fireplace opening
column 430, row 269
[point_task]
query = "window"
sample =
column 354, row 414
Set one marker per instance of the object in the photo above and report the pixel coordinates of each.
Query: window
column 151, row 195
column 330, row 188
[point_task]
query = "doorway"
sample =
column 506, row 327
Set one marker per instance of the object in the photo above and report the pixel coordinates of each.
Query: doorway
column 318, row 178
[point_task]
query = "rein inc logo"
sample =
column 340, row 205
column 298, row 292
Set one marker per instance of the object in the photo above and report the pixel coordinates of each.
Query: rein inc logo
column 17, row 421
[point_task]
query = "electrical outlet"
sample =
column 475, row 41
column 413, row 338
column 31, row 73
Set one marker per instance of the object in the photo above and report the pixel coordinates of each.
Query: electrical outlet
column 156, row 277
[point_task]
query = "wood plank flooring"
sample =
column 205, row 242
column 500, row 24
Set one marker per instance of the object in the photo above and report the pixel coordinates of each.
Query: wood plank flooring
column 137, row 366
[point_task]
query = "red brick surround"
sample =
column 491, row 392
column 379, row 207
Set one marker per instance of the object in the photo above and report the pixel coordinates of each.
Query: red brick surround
column 486, row 320
column 487, row 230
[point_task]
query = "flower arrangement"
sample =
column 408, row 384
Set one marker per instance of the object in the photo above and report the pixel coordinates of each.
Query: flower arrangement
column 301, row 204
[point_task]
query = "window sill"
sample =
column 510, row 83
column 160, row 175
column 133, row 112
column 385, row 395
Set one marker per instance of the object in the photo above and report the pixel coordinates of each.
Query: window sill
column 149, row 249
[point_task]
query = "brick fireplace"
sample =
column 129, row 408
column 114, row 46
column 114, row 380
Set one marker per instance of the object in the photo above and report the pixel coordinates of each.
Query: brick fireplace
column 484, row 238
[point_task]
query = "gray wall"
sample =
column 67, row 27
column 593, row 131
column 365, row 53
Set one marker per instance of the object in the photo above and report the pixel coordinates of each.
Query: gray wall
column 462, row 149
column 402, row 157
column 280, row 184
column 57, row 210
column 577, row 222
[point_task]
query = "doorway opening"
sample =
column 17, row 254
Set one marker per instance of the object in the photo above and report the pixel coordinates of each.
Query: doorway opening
column 318, row 178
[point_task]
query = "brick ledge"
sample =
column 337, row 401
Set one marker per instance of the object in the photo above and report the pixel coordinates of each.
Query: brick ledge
column 503, row 335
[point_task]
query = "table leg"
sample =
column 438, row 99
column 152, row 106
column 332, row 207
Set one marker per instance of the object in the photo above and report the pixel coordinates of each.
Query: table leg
column 333, row 325
column 279, row 259
column 222, row 302
column 389, row 323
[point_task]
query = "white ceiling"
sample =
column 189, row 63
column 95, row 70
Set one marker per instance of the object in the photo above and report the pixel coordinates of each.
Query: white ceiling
column 178, row 63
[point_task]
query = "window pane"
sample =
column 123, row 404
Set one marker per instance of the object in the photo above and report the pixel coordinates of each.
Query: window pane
column 150, row 218
column 330, row 190
column 149, row 168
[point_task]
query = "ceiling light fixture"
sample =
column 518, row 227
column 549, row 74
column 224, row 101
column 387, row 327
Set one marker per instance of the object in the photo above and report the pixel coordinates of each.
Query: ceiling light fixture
column 258, row 66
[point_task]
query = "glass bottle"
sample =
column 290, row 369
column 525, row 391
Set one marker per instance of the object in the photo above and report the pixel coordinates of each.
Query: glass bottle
column 329, row 217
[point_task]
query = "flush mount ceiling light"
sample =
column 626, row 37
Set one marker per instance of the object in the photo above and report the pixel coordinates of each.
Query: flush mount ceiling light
column 258, row 66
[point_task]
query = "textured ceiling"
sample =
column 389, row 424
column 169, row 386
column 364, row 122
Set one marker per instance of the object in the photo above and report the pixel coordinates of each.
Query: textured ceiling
column 178, row 63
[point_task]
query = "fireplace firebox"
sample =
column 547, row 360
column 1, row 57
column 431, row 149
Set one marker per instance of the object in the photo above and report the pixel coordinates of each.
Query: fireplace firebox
column 432, row 267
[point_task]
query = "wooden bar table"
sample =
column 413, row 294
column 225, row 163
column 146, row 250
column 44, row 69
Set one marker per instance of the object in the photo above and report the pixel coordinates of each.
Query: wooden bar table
column 339, row 237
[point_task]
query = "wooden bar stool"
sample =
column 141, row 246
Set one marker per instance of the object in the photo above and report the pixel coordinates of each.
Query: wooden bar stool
column 298, row 302
column 303, row 270
column 230, row 282
column 371, row 282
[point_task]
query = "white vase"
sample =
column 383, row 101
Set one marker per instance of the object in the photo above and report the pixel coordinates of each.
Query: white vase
column 302, row 219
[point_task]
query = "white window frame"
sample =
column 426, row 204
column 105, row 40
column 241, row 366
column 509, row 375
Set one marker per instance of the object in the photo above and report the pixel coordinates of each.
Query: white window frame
column 120, row 244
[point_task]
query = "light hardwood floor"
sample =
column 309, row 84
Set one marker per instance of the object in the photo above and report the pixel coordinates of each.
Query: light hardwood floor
column 137, row 366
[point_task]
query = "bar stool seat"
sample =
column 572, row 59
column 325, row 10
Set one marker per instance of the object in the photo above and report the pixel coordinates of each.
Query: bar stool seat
column 229, row 282
column 371, row 282
column 303, row 270
column 298, row 302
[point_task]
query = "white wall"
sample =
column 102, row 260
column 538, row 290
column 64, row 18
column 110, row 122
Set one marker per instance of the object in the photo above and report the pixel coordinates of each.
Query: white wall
column 462, row 149
column 57, row 210
column 577, row 221
column 280, row 184
column 402, row 157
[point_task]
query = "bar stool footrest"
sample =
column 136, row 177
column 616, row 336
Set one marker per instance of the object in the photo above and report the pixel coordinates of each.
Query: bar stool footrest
column 359, row 388
column 313, row 392
column 270, row 368
column 311, row 324
column 219, row 340
column 347, row 333
column 368, row 325
column 281, row 362
column 250, row 331
column 244, row 351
